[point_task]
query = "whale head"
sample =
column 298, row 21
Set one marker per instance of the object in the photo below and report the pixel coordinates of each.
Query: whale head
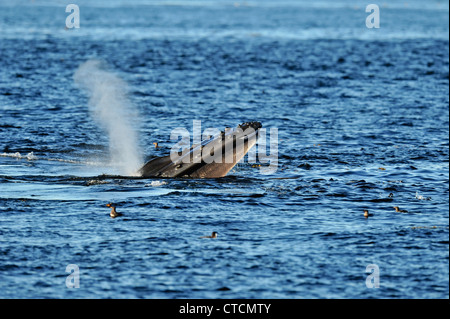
column 212, row 158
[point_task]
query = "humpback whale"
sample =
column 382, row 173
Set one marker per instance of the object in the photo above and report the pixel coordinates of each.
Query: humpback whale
column 212, row 158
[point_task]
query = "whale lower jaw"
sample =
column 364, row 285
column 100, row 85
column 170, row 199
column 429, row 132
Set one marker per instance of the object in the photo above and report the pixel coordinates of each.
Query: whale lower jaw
column 212, row 158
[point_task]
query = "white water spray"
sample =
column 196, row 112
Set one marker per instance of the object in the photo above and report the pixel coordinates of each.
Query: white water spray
column 110, row 106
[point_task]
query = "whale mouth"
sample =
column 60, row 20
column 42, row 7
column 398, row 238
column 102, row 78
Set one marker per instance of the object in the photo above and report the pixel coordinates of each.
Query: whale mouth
column 212, row 158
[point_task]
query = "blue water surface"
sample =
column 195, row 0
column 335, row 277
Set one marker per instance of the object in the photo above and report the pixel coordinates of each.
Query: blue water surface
column 363, row 123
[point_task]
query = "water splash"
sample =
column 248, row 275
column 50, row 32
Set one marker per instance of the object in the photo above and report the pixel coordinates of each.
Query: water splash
column 30, row 156
column 118, row 117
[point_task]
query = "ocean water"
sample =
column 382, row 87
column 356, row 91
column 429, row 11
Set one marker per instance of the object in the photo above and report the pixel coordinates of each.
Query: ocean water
column 363, row 123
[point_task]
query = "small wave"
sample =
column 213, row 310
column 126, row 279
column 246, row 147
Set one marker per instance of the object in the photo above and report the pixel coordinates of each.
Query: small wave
column 156, row 183
column 30, row 156
column 96, row 182
column 92, row 163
